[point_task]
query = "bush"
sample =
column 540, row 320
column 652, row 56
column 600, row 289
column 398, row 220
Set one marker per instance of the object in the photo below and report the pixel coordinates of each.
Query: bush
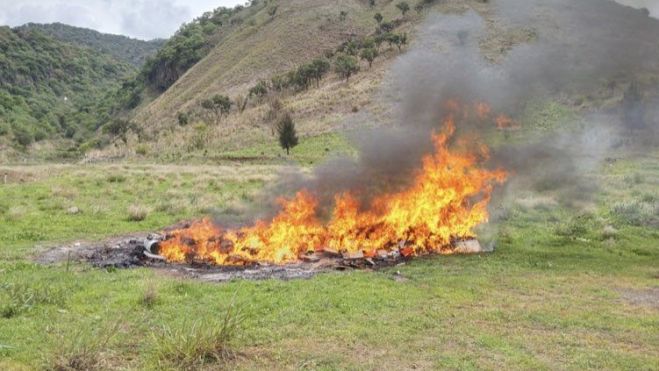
column 23, row 136
column 183, row 118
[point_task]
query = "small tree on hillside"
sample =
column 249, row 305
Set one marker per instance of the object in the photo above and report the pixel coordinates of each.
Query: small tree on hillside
column 287, row 135
column 371, row 3
column 369, row 55
column 346, row 66
column 319, row 68
column 404, row 7
column 378, row 18
column 419, row 7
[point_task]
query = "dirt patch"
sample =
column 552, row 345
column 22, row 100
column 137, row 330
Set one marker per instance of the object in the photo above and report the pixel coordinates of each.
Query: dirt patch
column 645, row 298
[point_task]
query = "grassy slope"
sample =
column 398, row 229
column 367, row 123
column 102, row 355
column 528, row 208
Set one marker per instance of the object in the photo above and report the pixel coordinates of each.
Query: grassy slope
column 545, row 299
column 261, row 48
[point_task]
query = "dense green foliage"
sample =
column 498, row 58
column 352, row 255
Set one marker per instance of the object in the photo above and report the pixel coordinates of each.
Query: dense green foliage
column 132, row 51
column 49, row 88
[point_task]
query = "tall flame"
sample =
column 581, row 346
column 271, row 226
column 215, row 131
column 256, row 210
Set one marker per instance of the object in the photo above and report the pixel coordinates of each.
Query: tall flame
column 447, row 198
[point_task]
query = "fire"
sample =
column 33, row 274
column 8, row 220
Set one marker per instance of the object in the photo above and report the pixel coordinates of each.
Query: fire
column 446, row 200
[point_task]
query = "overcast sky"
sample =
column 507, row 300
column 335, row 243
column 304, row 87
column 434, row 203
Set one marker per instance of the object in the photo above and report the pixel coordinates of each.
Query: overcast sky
column 144, row 19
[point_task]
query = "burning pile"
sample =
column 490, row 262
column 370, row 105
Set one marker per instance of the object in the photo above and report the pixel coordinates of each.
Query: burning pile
column 447, row 198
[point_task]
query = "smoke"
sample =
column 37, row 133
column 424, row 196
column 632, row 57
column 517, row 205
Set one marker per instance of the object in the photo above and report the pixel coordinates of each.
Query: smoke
column 561, row 50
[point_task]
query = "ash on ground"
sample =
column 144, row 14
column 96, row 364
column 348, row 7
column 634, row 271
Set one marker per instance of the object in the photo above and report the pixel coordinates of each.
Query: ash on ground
column 140, row 250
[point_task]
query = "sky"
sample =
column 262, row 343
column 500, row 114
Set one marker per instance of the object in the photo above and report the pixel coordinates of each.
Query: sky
column 142, row 19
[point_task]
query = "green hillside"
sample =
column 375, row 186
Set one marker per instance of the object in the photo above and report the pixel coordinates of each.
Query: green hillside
column 125, row 49
column 51, row 89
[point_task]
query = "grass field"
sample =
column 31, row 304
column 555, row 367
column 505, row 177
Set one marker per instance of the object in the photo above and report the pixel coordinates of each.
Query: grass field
column 564, row 290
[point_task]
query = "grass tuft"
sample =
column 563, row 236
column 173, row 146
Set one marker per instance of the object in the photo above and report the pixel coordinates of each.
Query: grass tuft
column 193, row 345
column 150, row 296
column 23, row 296
column 137, row 213
column 85, row 350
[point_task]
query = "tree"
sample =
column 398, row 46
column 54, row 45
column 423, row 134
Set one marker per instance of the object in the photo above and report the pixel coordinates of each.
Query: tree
column 378, row 18
column 371, row 3
column 346, row 66
column 319, row 68
column 287, row 135
column 404, row 7
column 419, row 7
column 342, row 15
column 369, row 54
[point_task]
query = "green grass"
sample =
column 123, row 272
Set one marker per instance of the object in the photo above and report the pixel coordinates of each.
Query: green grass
column 112, row 200
column 309, row 151
column 555, row 294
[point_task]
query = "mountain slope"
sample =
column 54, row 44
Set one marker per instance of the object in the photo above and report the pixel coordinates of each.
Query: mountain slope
column 131, row 51
column 50, row 89
column 261, row 46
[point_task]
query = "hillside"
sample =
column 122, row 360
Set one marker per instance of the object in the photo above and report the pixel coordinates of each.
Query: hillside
column 51, row 89
column 262, row 46
column 125, row 49
column 267, row 49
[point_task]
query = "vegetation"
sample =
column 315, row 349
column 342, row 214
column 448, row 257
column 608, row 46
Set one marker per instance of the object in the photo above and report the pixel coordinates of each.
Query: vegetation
column 346, row 66
column 130, row 51
column 495, row 305
column 51, row 89
column 404, row 7
column 369, row 55
column 218, row 105
column 286, row 131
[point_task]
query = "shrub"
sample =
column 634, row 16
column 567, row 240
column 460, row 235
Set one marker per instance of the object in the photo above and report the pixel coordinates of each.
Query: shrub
column 404, row 7
column 183, row 118
column 22, row 136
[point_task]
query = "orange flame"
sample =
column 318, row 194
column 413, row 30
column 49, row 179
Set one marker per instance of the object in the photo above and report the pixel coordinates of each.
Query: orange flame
column 446, row 200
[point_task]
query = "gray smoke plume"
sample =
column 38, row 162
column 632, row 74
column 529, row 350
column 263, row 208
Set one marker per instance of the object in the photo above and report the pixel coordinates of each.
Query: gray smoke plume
column 586, row 50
